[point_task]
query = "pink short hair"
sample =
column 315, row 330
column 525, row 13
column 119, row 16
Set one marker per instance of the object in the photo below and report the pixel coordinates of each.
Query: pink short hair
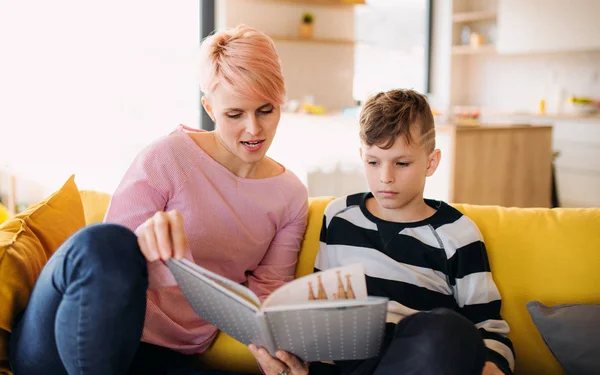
column 244, row 60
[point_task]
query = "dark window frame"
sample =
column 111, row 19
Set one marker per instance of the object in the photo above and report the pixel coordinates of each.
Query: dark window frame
column 207, row 27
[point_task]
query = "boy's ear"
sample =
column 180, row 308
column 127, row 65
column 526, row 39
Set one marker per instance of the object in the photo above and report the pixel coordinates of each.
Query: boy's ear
column 207, row 108
column 434, row 161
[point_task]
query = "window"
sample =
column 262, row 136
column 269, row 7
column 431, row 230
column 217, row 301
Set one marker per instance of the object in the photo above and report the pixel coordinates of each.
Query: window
column 86, row 84
column 393, row 48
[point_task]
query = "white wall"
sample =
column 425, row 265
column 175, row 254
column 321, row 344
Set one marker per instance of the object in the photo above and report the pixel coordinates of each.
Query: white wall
column 519, row 82
column 85, row 85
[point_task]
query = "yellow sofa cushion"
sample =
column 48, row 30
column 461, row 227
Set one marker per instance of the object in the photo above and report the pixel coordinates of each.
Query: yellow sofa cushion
column 95, row 204
column 548, row 255
column 26, row 242
column 4, row 214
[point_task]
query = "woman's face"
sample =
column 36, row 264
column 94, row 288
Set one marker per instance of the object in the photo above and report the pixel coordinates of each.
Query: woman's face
column 245, row 127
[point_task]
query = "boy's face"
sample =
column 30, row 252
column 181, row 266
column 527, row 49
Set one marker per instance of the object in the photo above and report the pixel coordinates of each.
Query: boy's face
column 396, row 176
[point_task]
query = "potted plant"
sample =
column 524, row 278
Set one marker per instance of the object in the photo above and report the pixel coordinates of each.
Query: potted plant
column 306, row 26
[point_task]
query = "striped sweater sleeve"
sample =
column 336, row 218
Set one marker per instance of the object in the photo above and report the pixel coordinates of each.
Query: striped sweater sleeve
column 478, row 297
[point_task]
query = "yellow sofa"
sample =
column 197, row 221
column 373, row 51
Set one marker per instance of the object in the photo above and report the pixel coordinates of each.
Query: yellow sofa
column 548, row 255
column 551, row 256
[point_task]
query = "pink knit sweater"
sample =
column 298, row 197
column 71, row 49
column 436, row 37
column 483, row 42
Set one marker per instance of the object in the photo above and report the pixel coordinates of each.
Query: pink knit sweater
column 244, row 229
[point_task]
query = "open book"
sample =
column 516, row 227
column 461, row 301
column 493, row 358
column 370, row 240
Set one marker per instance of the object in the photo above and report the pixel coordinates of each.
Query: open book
column 322, row 316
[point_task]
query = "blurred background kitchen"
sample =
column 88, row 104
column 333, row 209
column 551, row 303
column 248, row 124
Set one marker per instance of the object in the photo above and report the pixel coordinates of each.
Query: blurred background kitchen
column 514, row 85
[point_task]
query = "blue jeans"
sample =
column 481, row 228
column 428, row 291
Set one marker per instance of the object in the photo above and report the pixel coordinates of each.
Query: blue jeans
column 86, row 312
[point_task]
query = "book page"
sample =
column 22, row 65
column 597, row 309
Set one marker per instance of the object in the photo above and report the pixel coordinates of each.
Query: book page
column 340, row 283
column 224, row 282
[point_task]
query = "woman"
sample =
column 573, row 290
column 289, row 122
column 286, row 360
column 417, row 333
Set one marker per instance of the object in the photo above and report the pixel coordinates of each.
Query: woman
column 211, row 197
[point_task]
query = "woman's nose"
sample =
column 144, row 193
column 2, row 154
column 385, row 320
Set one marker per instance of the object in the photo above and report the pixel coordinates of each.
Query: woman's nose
column 253, row 127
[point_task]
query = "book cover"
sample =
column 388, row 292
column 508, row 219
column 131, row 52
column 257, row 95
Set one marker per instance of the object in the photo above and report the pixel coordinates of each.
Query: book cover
column 323, row 316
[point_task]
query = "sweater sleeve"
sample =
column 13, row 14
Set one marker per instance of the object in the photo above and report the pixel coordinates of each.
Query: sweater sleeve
column 479, row 300
column 141, row 192
column 279, row 262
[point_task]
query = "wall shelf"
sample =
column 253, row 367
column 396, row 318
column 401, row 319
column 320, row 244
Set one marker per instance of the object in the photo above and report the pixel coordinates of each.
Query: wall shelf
column 468, row 50
column 334, row 3
column 297, row 39
column 484, row 15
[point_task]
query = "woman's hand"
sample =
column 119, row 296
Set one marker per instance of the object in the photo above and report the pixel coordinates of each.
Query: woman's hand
column 284, row 364
column 162, row 236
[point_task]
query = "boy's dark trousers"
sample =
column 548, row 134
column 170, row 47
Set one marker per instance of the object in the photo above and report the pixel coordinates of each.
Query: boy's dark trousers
column 438, row 342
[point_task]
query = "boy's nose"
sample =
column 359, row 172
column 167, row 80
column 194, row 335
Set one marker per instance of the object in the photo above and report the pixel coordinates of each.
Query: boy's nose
column 386, row 177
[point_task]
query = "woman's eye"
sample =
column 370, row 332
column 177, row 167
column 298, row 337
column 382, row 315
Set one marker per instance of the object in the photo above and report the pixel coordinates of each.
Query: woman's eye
column 238, row 115
column 266, row 112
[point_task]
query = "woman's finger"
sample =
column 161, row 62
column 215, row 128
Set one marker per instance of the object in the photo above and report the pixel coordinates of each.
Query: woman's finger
column 162, row 232
column 296, row 366
column 177, row 234
column 150, row 257
column 151, row 250
column 269, row 365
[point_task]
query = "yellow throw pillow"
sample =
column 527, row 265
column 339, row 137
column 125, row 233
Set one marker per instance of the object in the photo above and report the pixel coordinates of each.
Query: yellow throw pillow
column 26, row 242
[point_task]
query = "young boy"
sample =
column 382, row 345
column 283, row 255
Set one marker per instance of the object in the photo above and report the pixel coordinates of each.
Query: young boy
column 424, row 255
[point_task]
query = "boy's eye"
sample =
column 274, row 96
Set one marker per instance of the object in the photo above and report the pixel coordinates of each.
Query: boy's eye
column 372, row 162
column 237, row 115
column 400, row 164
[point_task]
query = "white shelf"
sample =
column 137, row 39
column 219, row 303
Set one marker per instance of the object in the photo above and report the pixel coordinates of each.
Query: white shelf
column 327, row 3
column 484, row 15
column 297, row 39
column 468, row 50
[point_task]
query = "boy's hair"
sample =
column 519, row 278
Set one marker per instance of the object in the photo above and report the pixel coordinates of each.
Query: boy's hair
column 244, row 60
column 392, row 114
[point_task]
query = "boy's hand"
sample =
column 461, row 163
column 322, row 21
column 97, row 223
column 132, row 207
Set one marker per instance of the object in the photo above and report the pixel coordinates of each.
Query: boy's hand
column 491, row 369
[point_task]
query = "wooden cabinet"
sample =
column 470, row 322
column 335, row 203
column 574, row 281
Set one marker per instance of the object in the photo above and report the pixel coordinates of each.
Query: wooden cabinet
column 494, row 165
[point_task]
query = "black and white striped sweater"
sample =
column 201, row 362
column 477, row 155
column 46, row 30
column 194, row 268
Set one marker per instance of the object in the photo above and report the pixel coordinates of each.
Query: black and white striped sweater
column 437, row 262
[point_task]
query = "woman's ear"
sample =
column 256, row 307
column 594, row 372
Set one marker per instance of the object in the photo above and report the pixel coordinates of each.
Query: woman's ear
column 434, row 161
column 207, row 108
